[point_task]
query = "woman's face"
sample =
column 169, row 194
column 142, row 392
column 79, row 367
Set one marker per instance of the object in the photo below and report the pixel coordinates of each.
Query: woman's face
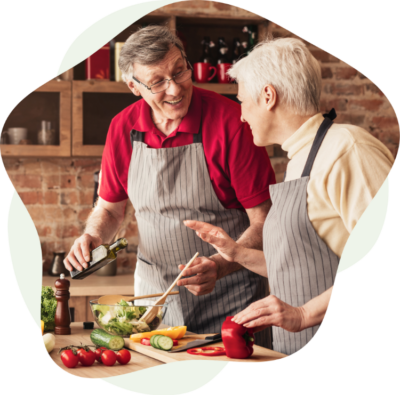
column 256, row 115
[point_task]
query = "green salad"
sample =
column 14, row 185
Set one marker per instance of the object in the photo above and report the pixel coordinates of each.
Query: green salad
column 123, row 319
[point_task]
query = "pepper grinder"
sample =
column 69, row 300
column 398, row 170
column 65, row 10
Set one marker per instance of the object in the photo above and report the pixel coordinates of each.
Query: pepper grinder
column 62, row 318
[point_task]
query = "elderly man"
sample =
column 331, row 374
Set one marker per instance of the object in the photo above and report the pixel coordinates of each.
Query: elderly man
column 333, row 174
column 181, row 153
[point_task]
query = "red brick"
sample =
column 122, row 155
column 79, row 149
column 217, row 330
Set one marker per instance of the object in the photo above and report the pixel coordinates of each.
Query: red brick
column 68, row 231
column 26, row 181
column 43, row 230
column 87, row 165
column 51, row 197
column 361, row 76
column 84, row 214
column 338, row 104
column 31, row 197
column 69, row 197
column 60, row 181
column 32, row 166
column 324, row 57
column 352, row 119
column 385, row 122
column 86, row 180
column 373, row 89
column 389, row 137
column 53, row 214
column 365, row 104
column 69, row 214
column 344, row 89
column 326, row 72
column 11, row 164
column 86, row 197
column 345, row 73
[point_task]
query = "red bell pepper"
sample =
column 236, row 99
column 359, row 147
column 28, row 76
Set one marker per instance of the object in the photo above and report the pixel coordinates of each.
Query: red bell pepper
column 145, row 341
column 207, row 351
column 238, row 340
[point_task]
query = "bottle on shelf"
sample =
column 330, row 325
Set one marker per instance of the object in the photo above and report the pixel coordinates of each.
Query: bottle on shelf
column 222, row 51
column 206, row 54
column 236, row 52
column 99, row 257
column 252, row 38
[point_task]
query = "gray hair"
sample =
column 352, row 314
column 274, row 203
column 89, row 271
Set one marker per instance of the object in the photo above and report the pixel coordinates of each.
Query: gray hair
column 147, row 46
column 287, row 65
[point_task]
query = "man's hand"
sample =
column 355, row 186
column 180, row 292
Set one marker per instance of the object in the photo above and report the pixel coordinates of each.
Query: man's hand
column 79, row 254
column 217, row 237
column 272, row 311
column 205, row 274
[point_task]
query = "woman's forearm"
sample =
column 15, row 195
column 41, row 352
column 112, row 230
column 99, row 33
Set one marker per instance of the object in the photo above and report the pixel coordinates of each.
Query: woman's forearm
column 253, row 260
column 314, row 310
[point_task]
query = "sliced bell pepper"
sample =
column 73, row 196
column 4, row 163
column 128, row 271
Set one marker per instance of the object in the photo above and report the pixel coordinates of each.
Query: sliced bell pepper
column 238, row 340
column 145, row 341
column 174, row 333
column 207, row 351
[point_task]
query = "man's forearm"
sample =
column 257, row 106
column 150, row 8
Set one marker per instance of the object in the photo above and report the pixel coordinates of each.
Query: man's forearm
column 314, row 310
column 251, row 257
column 103, row 224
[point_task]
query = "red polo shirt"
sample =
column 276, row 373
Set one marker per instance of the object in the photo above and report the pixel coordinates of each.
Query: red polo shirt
column 239, row 171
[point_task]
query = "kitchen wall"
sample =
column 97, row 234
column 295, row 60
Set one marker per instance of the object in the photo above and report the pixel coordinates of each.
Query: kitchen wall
column 58, row 193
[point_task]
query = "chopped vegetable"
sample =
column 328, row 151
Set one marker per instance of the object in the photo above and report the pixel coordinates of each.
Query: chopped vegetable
column 207, row 351
column 145, row 341
column 175, row 342
column 42, row 326
column 48, row 308
column 100, row 337
column 49, row 342
column 174, row 333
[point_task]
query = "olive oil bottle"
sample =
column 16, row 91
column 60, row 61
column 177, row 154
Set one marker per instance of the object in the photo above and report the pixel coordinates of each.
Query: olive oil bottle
column 100, row 257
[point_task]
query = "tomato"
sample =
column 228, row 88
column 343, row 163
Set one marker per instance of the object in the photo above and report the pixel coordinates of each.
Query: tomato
column 86, row 358
column 123, row 357
column 69, row 358
column 145, row 341
column 175, row 343
column 108, row 357
column 98, row 353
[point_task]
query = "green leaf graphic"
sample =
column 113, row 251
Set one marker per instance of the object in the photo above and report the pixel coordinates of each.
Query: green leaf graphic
column 189, row 378
column 26, row 255
column 366, row 233
column 103, row 30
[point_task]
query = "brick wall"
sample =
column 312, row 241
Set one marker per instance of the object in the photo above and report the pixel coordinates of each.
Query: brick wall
column 58, row 193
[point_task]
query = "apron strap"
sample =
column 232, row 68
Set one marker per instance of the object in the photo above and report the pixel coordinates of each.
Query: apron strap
column 319, row 138
column 137, row 136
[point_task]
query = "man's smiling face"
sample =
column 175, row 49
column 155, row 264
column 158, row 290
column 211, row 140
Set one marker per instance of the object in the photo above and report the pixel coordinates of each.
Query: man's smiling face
column 172, row 103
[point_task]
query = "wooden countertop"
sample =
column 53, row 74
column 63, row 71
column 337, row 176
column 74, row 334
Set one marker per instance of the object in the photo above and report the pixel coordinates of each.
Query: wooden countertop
column 97, row 285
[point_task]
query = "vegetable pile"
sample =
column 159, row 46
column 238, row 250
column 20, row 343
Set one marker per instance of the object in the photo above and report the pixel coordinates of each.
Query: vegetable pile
column 123, row 319
column 48, row 308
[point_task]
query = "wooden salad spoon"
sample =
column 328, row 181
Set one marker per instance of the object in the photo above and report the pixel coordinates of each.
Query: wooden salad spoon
column 115, row 299
column 152, row 313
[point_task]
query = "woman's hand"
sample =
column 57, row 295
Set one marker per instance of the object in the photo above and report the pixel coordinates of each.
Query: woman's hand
column 271, row 311
column 218, row 238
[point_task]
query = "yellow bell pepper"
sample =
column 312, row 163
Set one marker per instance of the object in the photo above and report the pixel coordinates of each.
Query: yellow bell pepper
column 175, row 333
column 42, row 326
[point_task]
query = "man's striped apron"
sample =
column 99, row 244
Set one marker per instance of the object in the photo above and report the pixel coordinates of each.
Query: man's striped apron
column 167, row 186
column 300, row 265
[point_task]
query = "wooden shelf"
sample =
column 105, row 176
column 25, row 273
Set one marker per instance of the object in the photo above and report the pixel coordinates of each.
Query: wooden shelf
column 222, row 89
column 64, row 148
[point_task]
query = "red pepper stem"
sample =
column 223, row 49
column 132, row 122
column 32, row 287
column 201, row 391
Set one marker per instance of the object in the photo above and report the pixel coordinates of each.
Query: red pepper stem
column 248, row 338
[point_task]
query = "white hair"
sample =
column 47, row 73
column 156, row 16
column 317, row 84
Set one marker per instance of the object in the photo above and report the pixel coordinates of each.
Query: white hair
column 287, row 65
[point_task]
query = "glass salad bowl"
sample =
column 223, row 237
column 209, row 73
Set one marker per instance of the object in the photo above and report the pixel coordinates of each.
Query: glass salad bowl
column 123, row 319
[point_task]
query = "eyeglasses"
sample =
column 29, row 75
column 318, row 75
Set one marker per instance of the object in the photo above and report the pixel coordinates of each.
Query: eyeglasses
column 164, row 84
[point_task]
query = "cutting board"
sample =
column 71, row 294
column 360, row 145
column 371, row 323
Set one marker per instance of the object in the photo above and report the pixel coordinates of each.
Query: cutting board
column 260, row 354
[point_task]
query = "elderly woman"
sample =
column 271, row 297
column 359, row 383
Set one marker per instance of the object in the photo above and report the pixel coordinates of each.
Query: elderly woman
column 333, row 174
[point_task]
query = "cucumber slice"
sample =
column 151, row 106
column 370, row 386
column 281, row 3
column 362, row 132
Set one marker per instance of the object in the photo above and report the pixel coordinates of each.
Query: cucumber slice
column 156, row 340
column 165, row 343
column 153, row 340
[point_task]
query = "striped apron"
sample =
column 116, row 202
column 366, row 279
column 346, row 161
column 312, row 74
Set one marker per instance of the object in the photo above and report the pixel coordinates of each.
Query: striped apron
column 300, row 265
column 167, row 186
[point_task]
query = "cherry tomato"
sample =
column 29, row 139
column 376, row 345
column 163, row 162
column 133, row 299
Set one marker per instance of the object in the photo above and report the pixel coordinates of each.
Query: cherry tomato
column 145, row 341
column 98, row 353
column 86, row 358
column 123, row 357
column 175, row 343
column 108, row 357
column 69, row 358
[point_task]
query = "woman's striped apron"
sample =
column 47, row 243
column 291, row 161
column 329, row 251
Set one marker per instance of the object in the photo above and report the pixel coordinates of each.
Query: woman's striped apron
column 300, row 265
column 167, row 186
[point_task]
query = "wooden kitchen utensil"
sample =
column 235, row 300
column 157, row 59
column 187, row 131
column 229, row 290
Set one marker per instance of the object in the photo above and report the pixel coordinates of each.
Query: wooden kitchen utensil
column 62, row 317
column 152, row 313
column 115, row 299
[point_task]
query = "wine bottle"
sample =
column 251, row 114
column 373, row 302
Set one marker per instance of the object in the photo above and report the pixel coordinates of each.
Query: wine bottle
column 236, row 50
column 206, row 55
column 99, row 257
column 222, row 51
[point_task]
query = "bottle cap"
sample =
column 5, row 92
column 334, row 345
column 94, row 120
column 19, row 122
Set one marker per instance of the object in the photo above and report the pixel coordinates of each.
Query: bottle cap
column 88, row 325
